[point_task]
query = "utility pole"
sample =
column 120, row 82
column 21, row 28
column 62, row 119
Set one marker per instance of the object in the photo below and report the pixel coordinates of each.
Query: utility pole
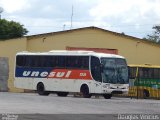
column 71, row 17
column 64, row 27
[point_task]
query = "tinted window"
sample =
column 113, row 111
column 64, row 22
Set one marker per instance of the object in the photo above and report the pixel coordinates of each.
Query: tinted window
column 149, row 73
column 157, row 73
column 69, row 62
column 77, row 62
column 132, row 72
column 20, row 60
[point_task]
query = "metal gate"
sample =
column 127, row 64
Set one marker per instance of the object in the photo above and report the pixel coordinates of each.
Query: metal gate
column 4, row 73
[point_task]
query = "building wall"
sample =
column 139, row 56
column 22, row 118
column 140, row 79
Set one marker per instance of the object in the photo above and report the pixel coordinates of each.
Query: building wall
column 4, row 73
column 136, row 51
column 8, row 49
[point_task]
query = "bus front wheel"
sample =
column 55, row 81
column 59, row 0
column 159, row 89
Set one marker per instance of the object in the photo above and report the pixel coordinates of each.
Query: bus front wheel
column 41, row 89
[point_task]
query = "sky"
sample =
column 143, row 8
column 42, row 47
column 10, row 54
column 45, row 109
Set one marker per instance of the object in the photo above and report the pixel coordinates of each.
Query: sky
column 132, row 17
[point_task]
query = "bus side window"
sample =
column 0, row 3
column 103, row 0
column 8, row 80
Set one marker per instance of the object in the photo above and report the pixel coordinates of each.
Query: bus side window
column 28, row 61
column 151, row 73
column 69, row 62
column 84, row 61
column 140, row 73
column 132, row 72
column 54, row 61
column 156, row 73
column 47, row 61
column 41, row 61
column 77, row 62
column 61, row 61
column 20, row 61
column 95, row 69
column 34, row 61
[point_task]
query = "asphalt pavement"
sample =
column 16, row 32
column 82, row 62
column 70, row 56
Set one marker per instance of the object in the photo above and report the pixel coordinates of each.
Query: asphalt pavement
column 29, row 106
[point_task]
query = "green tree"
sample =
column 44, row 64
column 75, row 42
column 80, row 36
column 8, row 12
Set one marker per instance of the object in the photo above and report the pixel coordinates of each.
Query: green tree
column 155, row 36
column 11, row 29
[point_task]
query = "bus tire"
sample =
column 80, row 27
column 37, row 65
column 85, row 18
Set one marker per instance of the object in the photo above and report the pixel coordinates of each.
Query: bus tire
column 146, row 94
column 85, row 91
column 41, row 89
column 107, row 96
column 62, row 94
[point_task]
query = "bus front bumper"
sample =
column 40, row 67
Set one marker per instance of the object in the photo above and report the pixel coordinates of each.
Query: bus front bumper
column 115, row 91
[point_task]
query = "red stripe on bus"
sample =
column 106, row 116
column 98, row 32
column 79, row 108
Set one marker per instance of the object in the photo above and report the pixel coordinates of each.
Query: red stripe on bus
column 70, row 74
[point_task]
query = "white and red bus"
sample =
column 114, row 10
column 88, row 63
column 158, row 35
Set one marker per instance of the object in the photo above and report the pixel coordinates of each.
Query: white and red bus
column 64, row 71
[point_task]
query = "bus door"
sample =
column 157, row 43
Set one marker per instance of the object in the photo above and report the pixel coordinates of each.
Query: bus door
column 96, row 74
column 133, row 73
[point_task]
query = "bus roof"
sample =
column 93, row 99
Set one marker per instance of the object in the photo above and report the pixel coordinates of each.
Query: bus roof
column 73, row 52
column 144, row 65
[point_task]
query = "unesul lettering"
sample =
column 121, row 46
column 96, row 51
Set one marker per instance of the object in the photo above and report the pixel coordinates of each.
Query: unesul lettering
column 46, row 74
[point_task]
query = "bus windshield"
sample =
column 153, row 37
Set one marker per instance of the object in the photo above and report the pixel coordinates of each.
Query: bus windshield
column 115, row 71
